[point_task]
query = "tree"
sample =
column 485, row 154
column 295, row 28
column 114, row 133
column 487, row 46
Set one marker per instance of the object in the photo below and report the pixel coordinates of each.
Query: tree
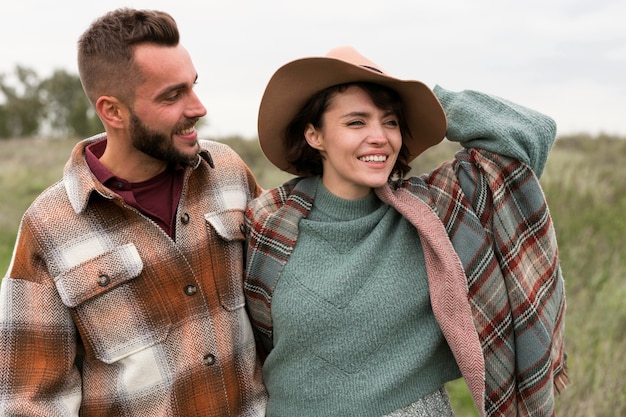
column 56, row 106
column 68, row 111
column 5, row 131
column 22, row 110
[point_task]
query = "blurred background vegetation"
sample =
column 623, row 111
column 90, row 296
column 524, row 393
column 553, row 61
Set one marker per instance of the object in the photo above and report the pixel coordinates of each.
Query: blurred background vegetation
column 584, row 182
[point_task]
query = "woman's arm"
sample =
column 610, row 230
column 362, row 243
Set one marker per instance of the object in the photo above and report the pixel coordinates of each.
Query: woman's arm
column 478, row 120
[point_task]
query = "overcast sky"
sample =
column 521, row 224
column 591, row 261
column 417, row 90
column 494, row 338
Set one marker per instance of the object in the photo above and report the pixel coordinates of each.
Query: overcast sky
column 566, row 58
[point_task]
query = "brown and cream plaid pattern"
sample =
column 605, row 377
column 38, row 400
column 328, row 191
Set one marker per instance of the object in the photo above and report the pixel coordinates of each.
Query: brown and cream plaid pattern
column 104, row 314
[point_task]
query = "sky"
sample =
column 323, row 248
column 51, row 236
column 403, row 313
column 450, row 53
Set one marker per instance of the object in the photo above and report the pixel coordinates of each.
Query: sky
column 565, row 58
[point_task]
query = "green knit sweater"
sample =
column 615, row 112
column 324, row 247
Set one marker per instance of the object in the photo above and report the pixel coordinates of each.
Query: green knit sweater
column 354, row 331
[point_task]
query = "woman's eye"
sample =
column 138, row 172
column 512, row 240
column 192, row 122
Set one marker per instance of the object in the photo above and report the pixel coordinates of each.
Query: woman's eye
column 355, row 123
column 392, row 122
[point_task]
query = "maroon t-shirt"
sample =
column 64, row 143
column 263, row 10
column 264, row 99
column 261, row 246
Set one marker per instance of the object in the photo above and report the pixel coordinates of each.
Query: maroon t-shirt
column 156, row 198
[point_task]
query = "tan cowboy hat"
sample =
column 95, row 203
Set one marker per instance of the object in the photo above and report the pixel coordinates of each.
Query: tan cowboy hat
column 296, row 82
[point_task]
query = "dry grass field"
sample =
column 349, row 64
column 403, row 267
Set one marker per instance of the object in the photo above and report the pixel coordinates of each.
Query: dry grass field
column 585, row 184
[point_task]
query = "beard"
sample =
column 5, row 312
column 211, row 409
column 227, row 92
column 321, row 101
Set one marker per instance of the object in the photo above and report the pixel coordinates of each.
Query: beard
column 159, row 145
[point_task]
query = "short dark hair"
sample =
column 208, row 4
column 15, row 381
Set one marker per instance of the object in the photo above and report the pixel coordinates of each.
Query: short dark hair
column 105, row 50
column 307, row 160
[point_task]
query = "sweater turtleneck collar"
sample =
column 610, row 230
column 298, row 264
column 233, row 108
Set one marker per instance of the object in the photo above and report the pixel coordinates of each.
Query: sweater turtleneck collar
column 328, row 206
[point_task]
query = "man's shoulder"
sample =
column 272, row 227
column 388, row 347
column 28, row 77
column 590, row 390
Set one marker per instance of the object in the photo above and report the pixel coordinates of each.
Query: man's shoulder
column 50, row 200
column 222, row 158
column 217, row 149
column 49, row 212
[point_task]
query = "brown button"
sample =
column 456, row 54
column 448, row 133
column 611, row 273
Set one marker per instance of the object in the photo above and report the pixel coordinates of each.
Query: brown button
column 184, row 218
column 103, row 280
column 208, row 359
column 190, row 289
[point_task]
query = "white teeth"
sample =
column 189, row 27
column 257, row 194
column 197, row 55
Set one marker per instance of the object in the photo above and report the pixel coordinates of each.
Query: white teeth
column 373, row 158
column 187, row 131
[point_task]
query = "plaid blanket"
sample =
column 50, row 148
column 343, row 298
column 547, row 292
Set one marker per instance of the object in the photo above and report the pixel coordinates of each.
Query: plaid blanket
column 494, row 276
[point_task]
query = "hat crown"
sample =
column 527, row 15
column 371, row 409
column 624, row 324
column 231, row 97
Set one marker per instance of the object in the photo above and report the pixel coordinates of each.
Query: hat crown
column 293, row 84
column 351, row 56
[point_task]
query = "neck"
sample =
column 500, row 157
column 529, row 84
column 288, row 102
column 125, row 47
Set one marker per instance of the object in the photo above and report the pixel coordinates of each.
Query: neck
column 131, row 164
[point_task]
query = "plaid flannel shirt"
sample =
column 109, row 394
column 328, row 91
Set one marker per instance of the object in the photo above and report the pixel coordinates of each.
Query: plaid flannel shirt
column 103, row 314
column 491, row 253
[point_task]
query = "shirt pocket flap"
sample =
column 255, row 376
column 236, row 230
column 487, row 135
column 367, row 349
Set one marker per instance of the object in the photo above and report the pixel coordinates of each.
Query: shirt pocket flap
column 228, row 224
column 99, row 274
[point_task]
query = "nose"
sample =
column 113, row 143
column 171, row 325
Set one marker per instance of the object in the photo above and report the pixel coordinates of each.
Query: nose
column 377, row 134
column 195, row 108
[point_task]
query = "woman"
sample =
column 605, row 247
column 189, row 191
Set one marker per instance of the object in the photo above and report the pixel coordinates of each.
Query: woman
column 369, row 293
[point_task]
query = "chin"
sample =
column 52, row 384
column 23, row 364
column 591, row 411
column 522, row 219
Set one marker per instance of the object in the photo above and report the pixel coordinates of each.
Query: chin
column 378, row 182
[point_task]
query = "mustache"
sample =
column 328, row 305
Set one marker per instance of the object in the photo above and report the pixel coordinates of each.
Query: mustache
column 189, row 122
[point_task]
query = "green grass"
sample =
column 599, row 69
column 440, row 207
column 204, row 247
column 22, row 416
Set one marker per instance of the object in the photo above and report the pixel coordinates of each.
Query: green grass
column 586, row 188
column 27, row 167
column 585, row 184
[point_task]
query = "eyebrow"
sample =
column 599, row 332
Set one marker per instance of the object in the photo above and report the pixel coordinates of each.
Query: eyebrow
column 368, row 114
column 168, row 90
column 356, row 114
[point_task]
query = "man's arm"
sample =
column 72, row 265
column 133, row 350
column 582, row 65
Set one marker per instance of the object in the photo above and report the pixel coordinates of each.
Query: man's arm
column 38, row 373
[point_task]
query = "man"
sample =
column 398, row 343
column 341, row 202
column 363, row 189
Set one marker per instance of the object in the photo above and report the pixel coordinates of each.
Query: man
column 124, row 296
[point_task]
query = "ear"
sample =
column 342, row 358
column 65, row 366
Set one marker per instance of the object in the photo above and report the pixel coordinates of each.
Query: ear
column 314, row 137
column 111, row 111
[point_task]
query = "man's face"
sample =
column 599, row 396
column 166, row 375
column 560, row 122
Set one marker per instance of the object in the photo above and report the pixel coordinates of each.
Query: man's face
column 166, row 109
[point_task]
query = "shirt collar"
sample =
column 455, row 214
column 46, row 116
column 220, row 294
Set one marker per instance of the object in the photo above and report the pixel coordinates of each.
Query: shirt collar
column 80, row 181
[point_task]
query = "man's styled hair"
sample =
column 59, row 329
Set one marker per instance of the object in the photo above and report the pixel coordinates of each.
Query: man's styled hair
column 105, row 50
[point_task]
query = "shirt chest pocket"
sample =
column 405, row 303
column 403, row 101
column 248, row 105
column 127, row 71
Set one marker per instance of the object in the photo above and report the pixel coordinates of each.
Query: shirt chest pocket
column 116, row 311
column 226, row 238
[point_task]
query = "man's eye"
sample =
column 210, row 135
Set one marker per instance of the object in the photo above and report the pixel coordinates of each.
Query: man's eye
column 173, row 97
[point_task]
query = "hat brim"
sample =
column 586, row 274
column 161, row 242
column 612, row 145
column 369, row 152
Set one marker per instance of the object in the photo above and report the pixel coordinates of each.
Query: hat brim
column 296, row 82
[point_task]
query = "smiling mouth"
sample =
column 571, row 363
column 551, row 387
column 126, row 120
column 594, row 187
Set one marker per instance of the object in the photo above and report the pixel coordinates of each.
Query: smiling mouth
column 186, row 131
column 373, row 158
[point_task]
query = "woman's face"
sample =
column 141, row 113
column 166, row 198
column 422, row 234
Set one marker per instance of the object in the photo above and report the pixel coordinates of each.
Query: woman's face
column 359, row 144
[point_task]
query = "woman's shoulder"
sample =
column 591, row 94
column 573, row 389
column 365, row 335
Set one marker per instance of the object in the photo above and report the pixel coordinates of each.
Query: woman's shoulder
column 297, row 191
